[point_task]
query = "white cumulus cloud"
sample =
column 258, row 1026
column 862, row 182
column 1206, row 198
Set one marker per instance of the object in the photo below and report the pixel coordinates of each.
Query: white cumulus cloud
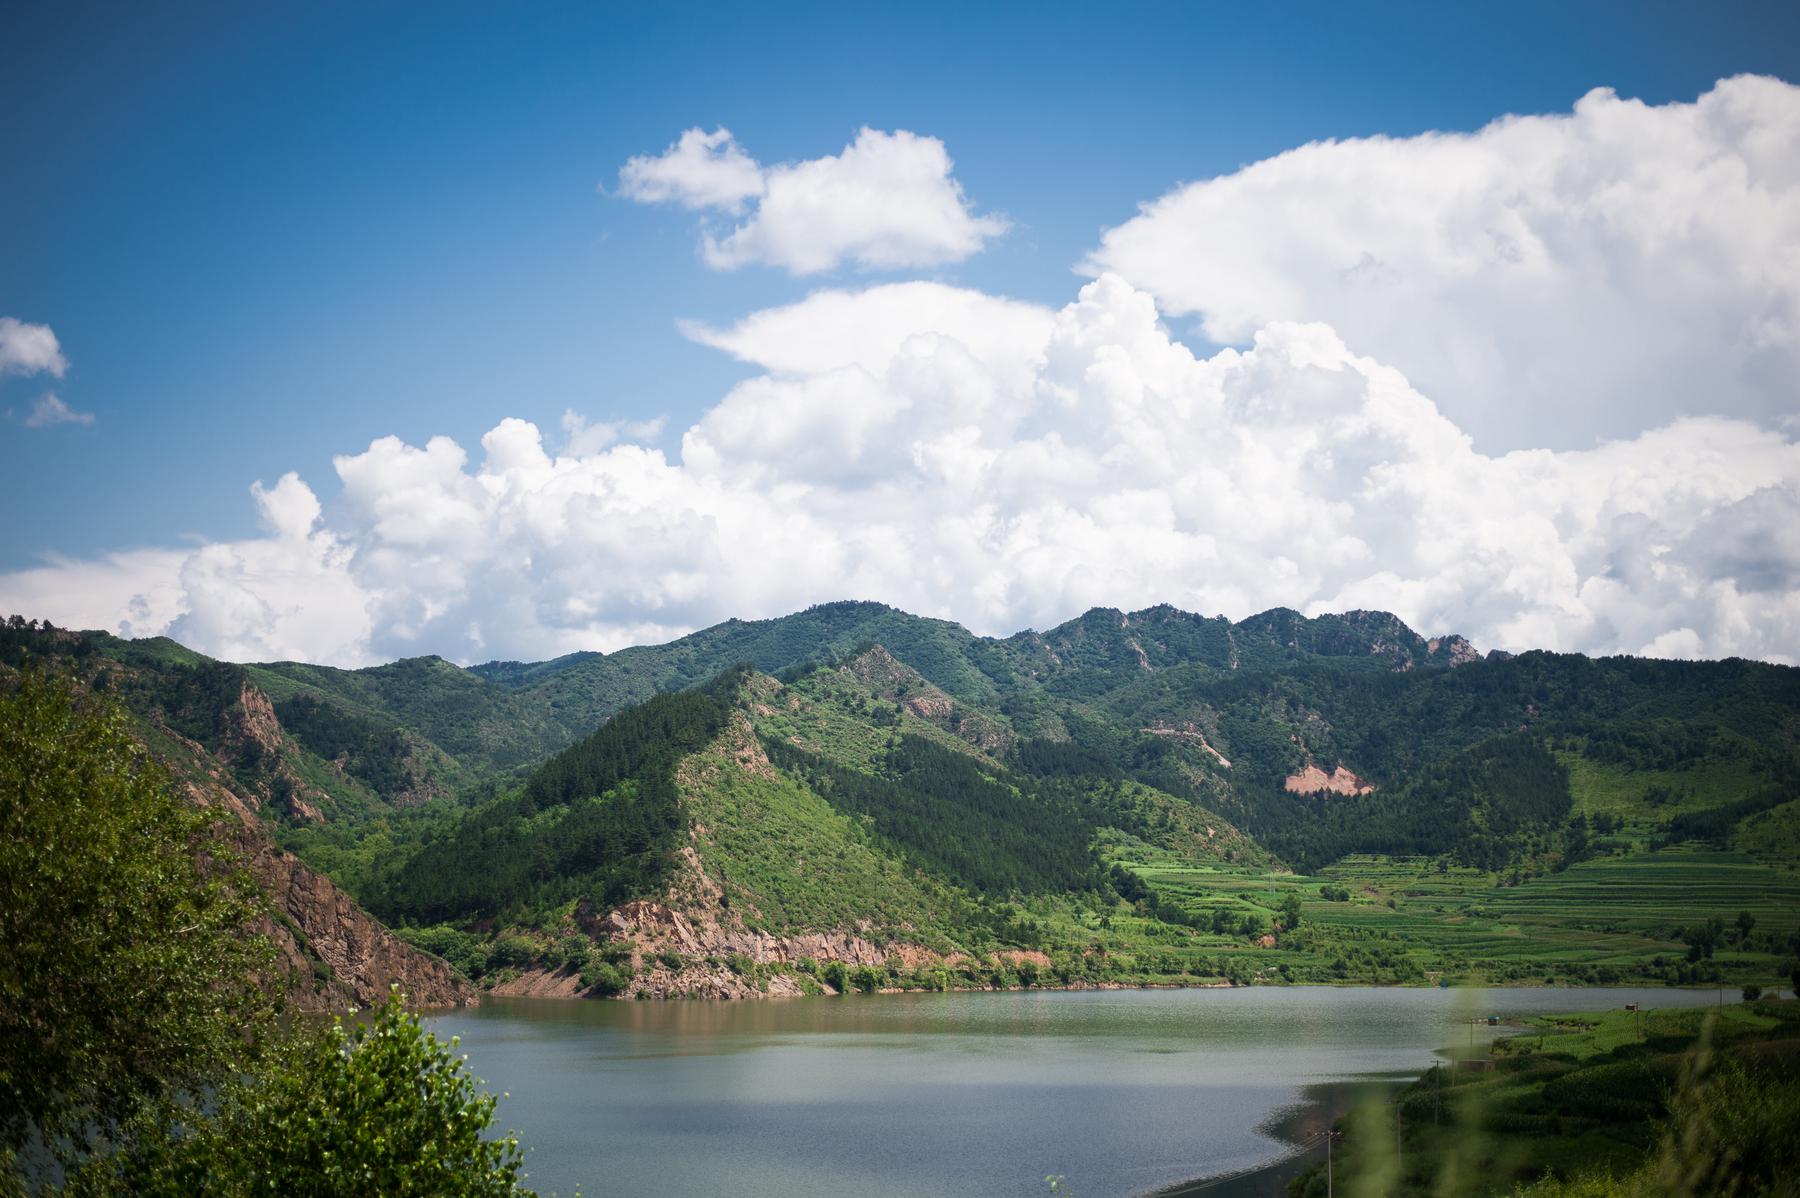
column 50, row 410
column 289, row 595
column 888, row 201
column 1004, row 465
column 29, row 349
column 1547, row 279
column 701, row 170
column 582, row 436
column 864, row 330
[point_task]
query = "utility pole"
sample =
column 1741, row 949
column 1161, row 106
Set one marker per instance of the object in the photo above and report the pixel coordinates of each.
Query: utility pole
column 1329, row 1137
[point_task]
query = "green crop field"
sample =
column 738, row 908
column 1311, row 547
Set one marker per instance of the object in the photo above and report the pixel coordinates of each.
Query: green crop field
column 1610, row 919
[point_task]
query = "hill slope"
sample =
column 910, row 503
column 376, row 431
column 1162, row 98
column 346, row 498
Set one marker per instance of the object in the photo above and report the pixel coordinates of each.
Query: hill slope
column 218, row 736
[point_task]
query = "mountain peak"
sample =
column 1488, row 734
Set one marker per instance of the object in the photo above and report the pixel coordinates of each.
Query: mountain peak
column 887, row 676
column 1355, row 633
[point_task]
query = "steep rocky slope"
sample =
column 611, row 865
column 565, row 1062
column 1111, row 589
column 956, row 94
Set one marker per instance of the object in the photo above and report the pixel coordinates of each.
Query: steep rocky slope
column 330, row 953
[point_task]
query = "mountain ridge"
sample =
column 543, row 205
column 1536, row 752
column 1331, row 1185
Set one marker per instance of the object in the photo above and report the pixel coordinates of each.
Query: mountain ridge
column 737, row 810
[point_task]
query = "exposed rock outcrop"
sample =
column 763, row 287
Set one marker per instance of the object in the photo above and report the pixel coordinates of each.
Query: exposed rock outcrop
column 895, row 682
column 331, row 953
column 700, row 954
column 364, row 958
column 1188, row 732
column 252, row 742
column 1312, row 780
column 1452, row 650
column 655, row 927
column 710, row 980
column 542, row 983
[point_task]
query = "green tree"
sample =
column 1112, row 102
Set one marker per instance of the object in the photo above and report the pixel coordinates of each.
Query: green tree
column 127, row 977
column 136, row 1046
column 606, row 979
column 381, row 1109
column 1290, row 912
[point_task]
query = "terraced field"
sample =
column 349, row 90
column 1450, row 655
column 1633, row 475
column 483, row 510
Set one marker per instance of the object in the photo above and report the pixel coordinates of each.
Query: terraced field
column 1611, row 919
column 1652, row 892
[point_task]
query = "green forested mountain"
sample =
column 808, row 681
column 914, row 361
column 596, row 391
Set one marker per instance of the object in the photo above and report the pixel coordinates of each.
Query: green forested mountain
column 1150, row 795
column 1090, row 655
column 596, row 821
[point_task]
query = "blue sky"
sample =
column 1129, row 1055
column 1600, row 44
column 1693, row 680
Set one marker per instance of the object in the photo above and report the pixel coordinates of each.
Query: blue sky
column 266, row 236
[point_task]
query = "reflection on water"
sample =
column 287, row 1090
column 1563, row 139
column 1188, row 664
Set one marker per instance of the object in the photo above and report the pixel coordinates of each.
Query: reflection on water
column 1121, row 1092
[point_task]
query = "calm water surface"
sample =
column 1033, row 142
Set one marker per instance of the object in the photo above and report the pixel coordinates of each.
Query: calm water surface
column 1122, row 1092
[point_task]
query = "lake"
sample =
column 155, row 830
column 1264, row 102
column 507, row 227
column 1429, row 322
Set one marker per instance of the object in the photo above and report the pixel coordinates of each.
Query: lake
column 1122, row 1092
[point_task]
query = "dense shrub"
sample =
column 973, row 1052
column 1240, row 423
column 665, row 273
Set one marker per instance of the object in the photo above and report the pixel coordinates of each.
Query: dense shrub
column 605, row 978
column 367, row 1110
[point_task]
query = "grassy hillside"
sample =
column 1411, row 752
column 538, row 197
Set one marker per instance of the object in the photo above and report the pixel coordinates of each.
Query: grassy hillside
column 785, row 858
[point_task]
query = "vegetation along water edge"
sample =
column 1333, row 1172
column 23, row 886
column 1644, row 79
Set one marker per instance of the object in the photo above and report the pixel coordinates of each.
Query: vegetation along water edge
column 1624, row 1102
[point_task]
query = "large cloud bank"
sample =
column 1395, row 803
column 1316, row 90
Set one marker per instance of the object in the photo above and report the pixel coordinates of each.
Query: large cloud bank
column 887, row 201
column 1549, row 279
column 1620, row 284
column 1005, row 465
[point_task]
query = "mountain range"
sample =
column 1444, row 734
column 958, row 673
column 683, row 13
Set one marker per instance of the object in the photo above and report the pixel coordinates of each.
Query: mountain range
column 855, row 797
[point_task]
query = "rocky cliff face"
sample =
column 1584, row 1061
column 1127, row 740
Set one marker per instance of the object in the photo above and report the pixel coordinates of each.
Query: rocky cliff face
column 252, row 734
column 330, row 952
column 363, row 959
column 1454, row 650
column 659, row 934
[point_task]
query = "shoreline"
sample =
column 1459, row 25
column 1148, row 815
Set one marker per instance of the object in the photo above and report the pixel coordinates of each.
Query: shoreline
column 1299, row 1127
column 1324, row 1104
column 564, row 995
